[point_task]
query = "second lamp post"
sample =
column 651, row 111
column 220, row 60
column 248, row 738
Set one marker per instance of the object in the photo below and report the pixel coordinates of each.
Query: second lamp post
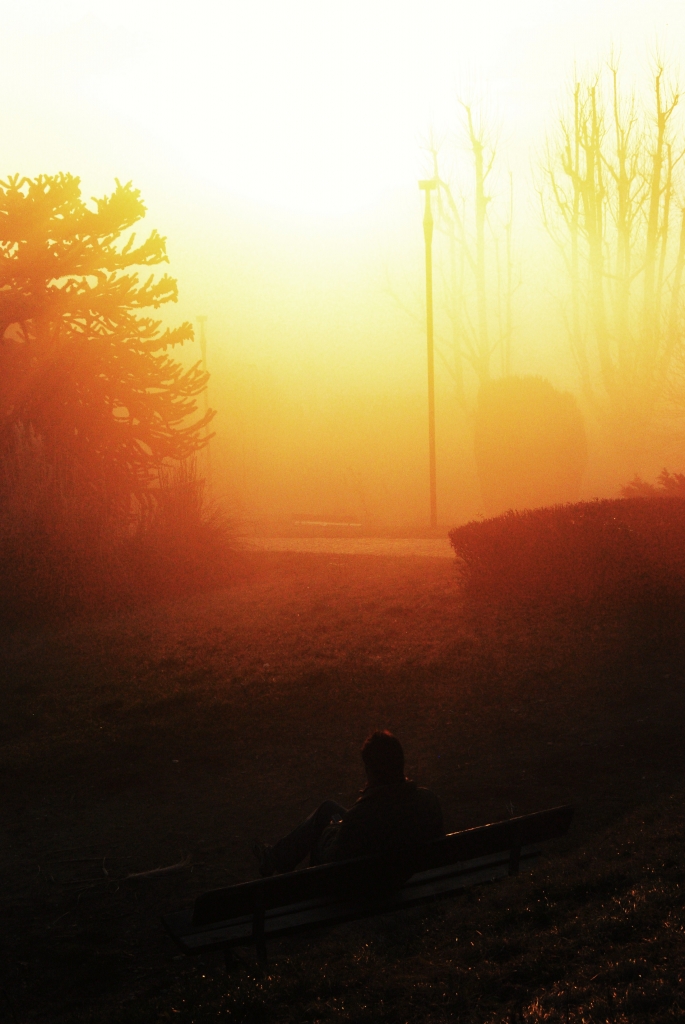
column 427, row 186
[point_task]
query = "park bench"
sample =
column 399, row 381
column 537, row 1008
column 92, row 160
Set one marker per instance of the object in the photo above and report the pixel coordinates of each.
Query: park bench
column 268, row 908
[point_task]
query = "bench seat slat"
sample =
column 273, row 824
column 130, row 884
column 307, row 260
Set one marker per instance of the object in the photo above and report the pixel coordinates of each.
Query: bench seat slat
column 279, row 921
column 347, row 877
column 332, row 893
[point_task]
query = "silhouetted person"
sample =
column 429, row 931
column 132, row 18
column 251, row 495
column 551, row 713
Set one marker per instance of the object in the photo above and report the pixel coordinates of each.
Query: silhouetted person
column 392, row 816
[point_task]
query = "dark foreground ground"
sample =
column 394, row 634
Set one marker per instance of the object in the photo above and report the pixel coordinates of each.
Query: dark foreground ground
column 181, row 732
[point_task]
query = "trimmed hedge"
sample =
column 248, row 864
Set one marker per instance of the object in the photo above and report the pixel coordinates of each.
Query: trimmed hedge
column 616, row 550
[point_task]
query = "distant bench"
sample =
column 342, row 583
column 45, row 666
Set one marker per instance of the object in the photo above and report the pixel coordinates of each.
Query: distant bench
column 268, row 908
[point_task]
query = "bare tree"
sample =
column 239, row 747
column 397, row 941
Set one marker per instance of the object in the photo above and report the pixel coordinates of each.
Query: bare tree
column 481, row 278
column 611, row 201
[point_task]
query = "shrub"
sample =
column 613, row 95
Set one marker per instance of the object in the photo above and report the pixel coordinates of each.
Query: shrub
column 64, row 551
column 183, row 543
column 529, row 444
column 624, row 550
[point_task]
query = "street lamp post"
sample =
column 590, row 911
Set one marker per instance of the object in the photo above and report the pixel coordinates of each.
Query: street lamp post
column 427, row 186
column 202, row 320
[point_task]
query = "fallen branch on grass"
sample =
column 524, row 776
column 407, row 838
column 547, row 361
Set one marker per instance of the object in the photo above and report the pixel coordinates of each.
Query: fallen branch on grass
column 161, row 871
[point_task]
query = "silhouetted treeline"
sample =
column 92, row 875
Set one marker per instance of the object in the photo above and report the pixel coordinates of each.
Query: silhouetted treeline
column 668, row 485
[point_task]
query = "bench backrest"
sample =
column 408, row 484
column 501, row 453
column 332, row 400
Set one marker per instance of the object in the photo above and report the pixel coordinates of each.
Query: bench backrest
column 372, row 876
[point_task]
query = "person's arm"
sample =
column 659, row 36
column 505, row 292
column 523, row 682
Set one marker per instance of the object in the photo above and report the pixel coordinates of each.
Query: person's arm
column 351, row 836
column 433, row 811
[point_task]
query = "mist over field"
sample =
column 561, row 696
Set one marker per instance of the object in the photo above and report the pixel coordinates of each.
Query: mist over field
column 279, row 154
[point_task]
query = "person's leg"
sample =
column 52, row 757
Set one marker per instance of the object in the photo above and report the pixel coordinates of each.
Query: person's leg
column 287, row 853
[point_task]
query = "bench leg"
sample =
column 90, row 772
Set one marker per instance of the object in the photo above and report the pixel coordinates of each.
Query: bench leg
column 261, row 952
column 258, row 935
column 230, row 959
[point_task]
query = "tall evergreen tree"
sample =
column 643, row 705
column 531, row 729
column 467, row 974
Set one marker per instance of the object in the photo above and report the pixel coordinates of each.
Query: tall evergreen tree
column 85, row 373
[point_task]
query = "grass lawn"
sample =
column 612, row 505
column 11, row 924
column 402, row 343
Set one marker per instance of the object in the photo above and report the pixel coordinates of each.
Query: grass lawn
column 186, row 729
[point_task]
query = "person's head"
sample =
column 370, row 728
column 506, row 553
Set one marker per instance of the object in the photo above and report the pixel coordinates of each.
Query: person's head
column 383, row 758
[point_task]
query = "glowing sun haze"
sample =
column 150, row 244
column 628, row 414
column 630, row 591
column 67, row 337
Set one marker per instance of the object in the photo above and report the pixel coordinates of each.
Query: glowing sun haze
column 313, row 107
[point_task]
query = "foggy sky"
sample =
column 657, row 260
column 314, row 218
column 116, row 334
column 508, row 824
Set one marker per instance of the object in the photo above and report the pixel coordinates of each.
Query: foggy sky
column 278, row 147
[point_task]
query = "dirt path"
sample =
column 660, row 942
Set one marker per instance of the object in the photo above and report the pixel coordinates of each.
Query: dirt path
column 388, row 546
